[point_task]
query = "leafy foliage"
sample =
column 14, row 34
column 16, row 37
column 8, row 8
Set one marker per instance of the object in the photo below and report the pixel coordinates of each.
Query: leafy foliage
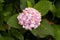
column 57, row 9
column 11, row 30
column 13, row 22
column 44, row 29
column 43, row 7
column 57, row 31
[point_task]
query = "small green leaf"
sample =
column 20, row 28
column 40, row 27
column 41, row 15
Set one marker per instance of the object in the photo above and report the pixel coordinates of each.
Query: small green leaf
column 33, row 2
column 29, row 4
column 53, row 8
column 43, row 7
column 13, row 22
column 43, row 30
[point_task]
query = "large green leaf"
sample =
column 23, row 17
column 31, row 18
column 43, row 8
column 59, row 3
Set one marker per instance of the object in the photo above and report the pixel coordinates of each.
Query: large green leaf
column 43, row 30
column 43, row 7
column 13, row 22
column 57, row 32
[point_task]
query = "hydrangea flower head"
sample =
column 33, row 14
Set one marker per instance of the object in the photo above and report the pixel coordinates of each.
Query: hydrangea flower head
column 29, row 18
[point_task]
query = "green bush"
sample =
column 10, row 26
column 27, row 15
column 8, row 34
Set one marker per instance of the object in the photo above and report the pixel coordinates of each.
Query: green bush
column 11, row 30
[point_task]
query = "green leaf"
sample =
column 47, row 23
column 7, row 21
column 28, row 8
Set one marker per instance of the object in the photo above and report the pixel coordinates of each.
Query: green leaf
column 43, row 30
column 17, row 34
column 57, row 32
column 29, row 4
column 53, row 8
column 23, row 4
column 1, row 1
column 33, row 2
column 43, row 7
column 57, row 12
column 57, row 4
column 13, row 22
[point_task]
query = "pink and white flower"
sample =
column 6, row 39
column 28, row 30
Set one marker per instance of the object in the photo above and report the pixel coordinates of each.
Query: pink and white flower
column 29, row 18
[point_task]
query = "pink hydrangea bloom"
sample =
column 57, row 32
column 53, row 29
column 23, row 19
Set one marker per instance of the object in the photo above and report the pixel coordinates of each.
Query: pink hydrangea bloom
column 29, row 18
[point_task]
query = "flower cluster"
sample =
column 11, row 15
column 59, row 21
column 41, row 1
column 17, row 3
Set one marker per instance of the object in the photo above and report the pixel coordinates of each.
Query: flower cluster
column 29, row 18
